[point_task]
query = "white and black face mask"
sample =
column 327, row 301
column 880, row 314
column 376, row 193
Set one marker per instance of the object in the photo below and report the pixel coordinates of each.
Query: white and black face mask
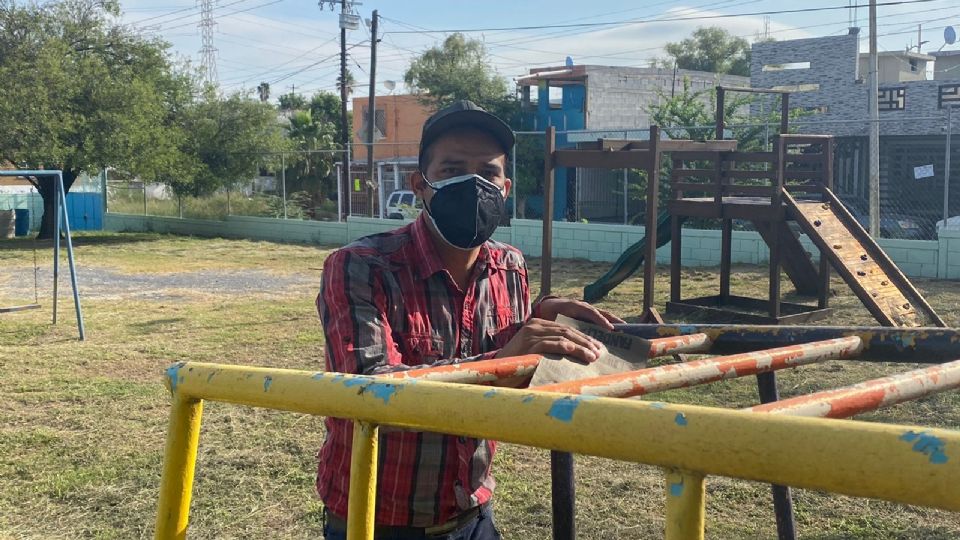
column 466, row 210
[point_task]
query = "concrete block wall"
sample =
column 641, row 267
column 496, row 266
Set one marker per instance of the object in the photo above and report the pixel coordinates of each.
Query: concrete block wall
column 595, row 242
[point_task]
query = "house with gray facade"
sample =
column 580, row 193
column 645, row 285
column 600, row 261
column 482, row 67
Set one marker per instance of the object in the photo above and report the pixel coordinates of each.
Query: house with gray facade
column 828, row 75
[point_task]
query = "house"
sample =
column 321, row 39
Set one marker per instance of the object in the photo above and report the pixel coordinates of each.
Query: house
column 397, row 125
column 587, row 102
column 831, row 74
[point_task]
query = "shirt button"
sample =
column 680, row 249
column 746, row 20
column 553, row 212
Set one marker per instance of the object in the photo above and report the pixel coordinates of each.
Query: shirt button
column 462, row 440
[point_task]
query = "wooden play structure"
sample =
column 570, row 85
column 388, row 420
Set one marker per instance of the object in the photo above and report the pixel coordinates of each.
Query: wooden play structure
column 784, row 193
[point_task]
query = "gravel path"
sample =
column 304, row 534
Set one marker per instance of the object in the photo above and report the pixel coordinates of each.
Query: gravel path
column 103, row 283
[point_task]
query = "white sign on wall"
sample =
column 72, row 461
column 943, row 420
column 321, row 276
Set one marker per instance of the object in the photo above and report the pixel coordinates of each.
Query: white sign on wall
column 924, row 171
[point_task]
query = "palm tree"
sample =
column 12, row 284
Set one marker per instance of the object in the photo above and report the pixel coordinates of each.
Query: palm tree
column 351, row 82
column 263, row 90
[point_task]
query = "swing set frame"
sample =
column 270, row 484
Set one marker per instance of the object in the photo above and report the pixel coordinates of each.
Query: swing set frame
column 61, row 222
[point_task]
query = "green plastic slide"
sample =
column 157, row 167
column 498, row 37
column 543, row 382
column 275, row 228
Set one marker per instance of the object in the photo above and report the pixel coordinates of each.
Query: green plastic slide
column 628, row 263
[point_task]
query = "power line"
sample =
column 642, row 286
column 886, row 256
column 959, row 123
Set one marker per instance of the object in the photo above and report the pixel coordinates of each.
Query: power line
column 674, row 19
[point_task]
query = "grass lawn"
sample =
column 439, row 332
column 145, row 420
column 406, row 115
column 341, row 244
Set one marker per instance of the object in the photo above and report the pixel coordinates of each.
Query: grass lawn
column 82, row 425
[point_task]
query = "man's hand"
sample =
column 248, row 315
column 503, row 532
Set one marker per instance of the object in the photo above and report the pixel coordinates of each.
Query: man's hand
column 539, row 336
column 575, row 309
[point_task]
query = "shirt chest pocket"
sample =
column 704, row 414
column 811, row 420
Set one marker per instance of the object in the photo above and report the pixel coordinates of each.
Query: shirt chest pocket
column 421, row 348
column 496, row 323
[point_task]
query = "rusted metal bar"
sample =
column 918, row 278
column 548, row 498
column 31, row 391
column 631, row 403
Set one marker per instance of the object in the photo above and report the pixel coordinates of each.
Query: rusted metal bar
column 869, row 395
column 692, row 343
column 658, row 379
column 880, row 344
column 484, row 371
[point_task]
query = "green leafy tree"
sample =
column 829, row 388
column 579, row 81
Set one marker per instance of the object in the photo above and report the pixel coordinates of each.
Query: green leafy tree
column 325, row 109
column 712, row 49
column 227, row 138
column 460, row 69
column 292, row 102
column 309, row 170
column 82, row 92
column 351, row 83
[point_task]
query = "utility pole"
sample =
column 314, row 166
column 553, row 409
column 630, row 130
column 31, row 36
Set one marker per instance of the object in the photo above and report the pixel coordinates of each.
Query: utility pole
column 874, row 127
column 372, row 108
column 347, row 21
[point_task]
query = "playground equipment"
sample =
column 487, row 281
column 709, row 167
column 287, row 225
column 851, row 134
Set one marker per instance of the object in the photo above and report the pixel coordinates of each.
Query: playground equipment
column 61, row 219
column 793, row 183
column 769, row 444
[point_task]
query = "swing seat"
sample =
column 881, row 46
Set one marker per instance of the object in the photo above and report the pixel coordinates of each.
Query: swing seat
column 25, row 307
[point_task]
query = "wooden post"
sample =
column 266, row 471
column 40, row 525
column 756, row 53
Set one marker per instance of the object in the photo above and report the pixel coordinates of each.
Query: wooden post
column 726, row 249
column 720, row 124
column 653, row 194
column 784, row 113
column 546, row 255
column 676, row 258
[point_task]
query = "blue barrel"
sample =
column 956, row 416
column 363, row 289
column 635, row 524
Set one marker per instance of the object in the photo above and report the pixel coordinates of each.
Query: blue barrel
column 22, row 220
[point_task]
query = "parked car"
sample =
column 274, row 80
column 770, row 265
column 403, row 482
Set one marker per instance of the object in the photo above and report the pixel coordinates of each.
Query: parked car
column 894, row 224
column 403, row 204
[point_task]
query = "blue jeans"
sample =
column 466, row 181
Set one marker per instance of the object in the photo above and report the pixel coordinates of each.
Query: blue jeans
column 481, row 528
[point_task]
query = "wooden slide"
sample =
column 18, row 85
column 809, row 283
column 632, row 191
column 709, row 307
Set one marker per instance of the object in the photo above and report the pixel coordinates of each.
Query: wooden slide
column 856, row 257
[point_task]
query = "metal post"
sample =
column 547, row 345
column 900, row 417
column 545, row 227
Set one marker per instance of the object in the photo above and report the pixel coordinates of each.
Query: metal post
column 339, row 195
column 283, row 182
column 179, row 464
column 946, row 169
column 650, row 231
column 361, row 506
column 513, row 176
column 144, row 185
column 349, row 190
column 70, row 258
column 625, row 216
column 180, row 206
column 874, row 127
column 686, row 505
column 56, row 243
column 380, row 194
column 782, row 499
column 563, row 496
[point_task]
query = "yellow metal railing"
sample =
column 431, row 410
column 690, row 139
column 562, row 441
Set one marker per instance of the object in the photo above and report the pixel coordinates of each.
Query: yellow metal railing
column 906, row 464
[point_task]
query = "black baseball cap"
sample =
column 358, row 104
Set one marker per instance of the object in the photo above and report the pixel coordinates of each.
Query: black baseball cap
column 460, row 114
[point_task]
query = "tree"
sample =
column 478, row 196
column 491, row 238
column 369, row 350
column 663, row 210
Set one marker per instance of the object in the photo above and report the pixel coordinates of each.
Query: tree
column 263, row 91
column 351, row 83
column 292, row 102
column 325, row 109
column 226, row 139
column 82, row 92
column 712, row 49
column 460, row 69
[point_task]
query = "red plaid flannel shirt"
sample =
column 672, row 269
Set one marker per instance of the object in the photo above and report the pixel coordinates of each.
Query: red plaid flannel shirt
column 386, row 303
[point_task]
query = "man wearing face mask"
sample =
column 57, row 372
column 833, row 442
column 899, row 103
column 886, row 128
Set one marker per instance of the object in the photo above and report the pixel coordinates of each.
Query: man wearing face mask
column 437, row 291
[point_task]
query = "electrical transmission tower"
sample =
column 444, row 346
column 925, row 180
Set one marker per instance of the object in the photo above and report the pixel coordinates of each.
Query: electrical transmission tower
column 208, row 53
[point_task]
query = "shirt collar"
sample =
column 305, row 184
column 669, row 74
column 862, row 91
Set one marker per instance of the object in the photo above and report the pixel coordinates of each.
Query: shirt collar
column 423, row 255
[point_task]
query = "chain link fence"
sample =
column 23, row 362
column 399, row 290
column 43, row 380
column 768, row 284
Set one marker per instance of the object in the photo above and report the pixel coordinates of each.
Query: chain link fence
column 916, row 190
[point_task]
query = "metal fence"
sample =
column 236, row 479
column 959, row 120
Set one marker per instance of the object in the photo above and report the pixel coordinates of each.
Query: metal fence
column 915, row 183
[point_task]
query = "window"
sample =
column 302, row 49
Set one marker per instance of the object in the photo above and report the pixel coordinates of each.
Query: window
column 782, row 67
column 407, row 199
column 394, row 199
column 914, row 65
column 949, row 95
column 379, row 126
column 556, row 97
column 892, row 99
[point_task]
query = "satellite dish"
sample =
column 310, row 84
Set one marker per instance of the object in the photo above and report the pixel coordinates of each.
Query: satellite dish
column 569, row 61
column 390, row 85
column 949, row 35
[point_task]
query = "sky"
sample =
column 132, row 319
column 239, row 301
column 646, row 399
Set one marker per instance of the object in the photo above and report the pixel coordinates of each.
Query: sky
column 294, row 44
